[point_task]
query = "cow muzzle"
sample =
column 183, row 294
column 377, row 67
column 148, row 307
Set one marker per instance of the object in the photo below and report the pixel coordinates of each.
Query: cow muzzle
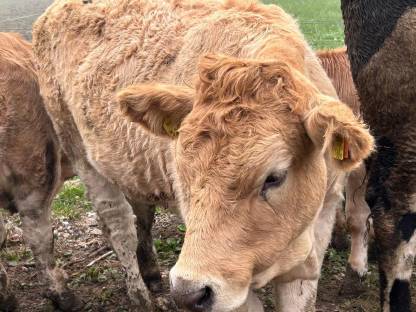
column 199, row 292
column 193, row 296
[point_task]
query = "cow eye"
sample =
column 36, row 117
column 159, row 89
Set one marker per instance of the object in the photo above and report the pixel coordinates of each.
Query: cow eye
column 273, row 181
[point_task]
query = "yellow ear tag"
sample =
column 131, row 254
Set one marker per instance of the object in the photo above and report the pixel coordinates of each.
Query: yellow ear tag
column 170, row 129
column 340, row 149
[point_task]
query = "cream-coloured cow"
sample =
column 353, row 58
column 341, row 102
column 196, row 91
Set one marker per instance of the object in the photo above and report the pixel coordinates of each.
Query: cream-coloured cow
column 220, row 108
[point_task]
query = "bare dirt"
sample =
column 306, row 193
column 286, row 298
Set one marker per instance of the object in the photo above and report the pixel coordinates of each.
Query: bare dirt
column 101, row 285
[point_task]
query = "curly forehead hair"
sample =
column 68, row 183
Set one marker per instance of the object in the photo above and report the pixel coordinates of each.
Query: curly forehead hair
column 233, row 91
column 228, row 80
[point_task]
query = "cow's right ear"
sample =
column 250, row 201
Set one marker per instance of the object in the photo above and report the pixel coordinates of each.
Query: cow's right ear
column 160, row 108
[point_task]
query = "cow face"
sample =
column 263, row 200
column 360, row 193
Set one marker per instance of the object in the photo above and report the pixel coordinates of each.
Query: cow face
column 251, row 172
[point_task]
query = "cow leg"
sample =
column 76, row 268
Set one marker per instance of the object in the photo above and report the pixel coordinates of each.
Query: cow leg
column 147, row 256
column 7, row 299
column 395, row 260
column 296, row 296
column 3, row 232
column 358, row 213
column 117, row 215
column 300, row 295
column 392, row 199
column 34, row 212
column 252, row 304
column 146, row 253
column 112, row 207
column 339, row 236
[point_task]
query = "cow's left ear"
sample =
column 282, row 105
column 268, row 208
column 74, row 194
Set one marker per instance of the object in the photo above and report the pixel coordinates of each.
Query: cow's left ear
column 160, row 108
column 333, row 126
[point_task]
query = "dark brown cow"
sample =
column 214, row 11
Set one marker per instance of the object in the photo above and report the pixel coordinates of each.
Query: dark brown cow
column 381, row 41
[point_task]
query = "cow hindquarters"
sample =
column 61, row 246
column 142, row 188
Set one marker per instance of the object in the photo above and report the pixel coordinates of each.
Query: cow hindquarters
column 300, row 295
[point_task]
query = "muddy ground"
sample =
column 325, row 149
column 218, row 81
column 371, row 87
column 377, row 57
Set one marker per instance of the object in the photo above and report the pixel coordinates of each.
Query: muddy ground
column 79, row 241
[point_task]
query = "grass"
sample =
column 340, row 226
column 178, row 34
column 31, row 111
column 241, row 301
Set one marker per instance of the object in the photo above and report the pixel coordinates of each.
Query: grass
column 320, row 20
column 97, row 274
column 14, row 256
column 71, row 202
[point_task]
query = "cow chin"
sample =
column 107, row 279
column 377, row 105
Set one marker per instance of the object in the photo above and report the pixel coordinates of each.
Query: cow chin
column 231, row 300
column 298, row 261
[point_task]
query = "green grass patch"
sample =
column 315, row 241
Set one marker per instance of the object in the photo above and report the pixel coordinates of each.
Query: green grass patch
column 14, row 256
column 96, row 275
column 338, row 260
column 320, row 20
column 182, row 228
column 71, row 202
column 171, row 244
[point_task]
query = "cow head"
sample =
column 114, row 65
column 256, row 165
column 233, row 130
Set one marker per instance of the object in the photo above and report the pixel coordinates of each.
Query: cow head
column 251, row 145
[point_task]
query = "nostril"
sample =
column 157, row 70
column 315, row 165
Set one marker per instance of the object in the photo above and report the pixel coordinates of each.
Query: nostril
column 197, row 301
column 206, row 300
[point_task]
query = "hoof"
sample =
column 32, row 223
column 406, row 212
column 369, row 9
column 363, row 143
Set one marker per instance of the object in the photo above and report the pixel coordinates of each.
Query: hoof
column 353, row 284
column 154, row 283
column 8, row 303
column 66, row 301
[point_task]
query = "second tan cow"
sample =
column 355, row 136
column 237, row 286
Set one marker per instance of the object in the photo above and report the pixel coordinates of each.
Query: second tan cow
column 337, row 66
column 32, row 167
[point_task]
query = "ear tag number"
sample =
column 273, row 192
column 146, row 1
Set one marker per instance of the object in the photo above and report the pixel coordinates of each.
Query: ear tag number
column 340, row 149
column 170, row 129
